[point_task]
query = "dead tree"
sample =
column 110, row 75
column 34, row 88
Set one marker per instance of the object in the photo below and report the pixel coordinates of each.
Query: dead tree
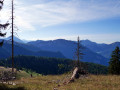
column 78, row 70
column 79, row 53
column 12, row 20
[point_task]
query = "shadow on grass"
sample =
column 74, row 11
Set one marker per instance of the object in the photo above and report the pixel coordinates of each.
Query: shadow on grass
column 5, row 87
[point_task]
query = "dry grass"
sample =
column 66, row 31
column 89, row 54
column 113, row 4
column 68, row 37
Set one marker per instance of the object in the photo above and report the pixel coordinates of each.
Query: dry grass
column 92, row 82
column 5, row 69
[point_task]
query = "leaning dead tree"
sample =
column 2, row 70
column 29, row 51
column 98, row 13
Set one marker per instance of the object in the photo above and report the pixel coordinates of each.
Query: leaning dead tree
column 2, row 26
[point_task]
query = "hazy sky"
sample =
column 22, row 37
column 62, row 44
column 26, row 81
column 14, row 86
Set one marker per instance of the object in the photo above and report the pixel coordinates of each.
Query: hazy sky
column 96, row 20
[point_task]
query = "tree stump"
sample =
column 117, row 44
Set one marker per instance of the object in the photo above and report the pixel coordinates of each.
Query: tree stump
column 76, row 74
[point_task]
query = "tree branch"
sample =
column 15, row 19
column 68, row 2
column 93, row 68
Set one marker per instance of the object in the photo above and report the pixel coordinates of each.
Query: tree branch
column 2, row 34
column 4, row 26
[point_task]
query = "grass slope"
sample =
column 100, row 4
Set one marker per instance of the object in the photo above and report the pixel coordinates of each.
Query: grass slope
column 92, row 82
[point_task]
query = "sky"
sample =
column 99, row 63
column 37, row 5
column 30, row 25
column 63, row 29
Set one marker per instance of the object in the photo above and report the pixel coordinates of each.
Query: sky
column 96, row 20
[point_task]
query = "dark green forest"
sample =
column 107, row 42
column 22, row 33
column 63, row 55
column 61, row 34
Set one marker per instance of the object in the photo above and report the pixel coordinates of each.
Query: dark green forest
column 51, row 66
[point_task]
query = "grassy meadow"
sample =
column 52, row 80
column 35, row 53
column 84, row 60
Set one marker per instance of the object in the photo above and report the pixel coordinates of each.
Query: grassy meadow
column 55, row 82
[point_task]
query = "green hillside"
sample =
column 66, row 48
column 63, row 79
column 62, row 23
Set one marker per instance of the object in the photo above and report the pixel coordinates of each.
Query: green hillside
column 50, row 66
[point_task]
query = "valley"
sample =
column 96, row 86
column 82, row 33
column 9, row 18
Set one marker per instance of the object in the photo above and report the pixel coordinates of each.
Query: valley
column 61, row 48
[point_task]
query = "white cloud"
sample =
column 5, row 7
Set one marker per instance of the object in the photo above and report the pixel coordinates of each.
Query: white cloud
column 23, row 24
column 61, row 11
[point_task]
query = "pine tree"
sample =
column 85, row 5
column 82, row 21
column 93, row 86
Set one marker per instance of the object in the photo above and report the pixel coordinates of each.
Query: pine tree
column 114, row 64
column 2, row 26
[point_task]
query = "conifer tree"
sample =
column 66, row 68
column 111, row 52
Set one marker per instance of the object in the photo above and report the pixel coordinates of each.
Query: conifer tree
column 114, row 64
column 2, row 26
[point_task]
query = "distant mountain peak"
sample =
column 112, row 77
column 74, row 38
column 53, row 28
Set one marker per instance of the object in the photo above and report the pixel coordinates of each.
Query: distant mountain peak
column 16, row 39
column 88, row 41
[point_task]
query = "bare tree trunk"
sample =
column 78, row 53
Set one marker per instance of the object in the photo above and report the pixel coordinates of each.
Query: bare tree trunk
column 75, row 73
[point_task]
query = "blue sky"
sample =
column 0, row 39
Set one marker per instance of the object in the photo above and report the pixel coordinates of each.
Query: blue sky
column 96, row 20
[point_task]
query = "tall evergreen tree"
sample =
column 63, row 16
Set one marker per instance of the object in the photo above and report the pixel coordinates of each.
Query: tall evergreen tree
column 2, row 26
column 114, row 64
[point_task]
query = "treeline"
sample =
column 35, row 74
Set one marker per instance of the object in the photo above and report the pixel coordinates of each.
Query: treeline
column 45, row 66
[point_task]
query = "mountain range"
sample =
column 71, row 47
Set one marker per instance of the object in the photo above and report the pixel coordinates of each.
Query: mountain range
column 102, row 49
column 21, row 48
column 60, row 48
